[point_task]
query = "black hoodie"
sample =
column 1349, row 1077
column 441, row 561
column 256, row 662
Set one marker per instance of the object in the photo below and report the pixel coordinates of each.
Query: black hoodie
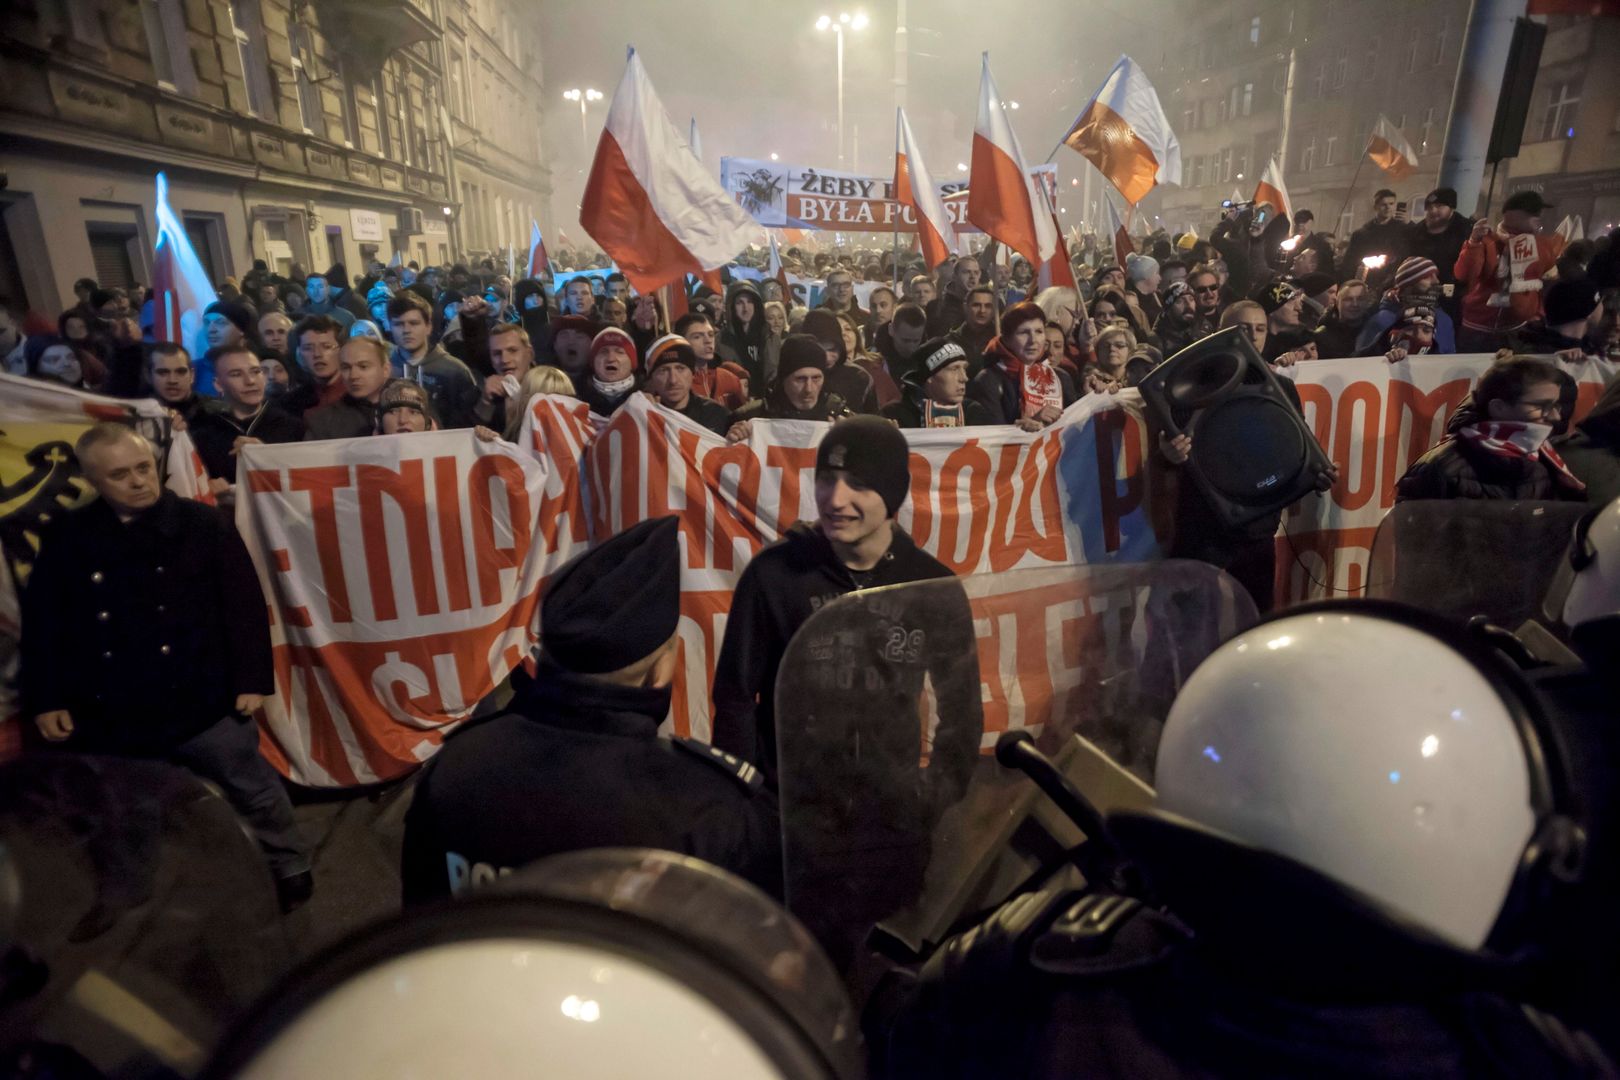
column 781, row 588
column 744, row 344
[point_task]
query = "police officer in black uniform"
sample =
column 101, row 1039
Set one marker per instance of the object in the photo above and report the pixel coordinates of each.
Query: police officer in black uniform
column 577, row 762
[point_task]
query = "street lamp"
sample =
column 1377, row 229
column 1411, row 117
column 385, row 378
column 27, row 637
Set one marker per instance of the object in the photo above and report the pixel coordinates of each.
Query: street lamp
column 845, row 21
column 774, row 156
column 583, row 97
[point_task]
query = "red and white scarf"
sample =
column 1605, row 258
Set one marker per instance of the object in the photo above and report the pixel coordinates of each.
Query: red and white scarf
column 1513, row 275
column 1521, row 440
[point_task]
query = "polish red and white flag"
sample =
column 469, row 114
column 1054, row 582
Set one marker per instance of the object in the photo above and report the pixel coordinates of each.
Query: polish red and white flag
column 1002, row 197
column 1272, row 190
column 539, row 260
column 650, row 203
column 1390, row 151
column 1124, row 132
column 914, row 187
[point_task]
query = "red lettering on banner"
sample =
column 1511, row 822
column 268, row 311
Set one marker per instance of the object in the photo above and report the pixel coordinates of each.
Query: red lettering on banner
column 408, row 491
column 1427, row 412
column 1116, row 504
column 922, row 504
column 295, row 615
column 793, row 461
column 617, row 479
column 1352, row 492
column 741, row 522
column 969, row 458
column 321, row 482
column 453, row 548
column 690, row 516
column 552, row 444
column 488, row 554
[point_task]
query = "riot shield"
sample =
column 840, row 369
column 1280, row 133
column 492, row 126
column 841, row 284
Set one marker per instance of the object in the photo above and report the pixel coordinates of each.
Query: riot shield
column 1466, row 557
column 890, row 702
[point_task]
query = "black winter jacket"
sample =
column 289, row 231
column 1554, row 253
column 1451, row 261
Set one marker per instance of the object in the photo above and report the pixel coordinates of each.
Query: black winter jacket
column 145, row 632
column 1455, row 470
column 578, row 764
column 214, row 433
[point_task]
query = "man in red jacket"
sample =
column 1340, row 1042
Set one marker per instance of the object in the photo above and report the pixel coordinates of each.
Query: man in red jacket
column 1500, row 270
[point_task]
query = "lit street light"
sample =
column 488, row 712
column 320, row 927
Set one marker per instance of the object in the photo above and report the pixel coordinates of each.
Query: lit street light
column 845, row 21
column 583, row 97
column 773, row 155
column 961, row 166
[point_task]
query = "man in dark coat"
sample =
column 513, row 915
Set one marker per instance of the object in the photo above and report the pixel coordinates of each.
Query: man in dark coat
column 1503, row 453
column 670, row 362
column 363, row 367
column 862, row 480
column 578, row 763
column 1439, row 237
column 933, row 391
column 845, row 378
column 1384, row 234
column 146, row 636
column 248, row 416
column 799, row 391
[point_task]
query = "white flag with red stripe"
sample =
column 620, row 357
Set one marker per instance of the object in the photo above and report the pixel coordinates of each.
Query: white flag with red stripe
column 650, row 203
column 181, row 291
column 914, row 187
column 539, row 260
column 779, row 272
column 1124, row 132
column 1390, row 151
column 1271, row 189
column 1124, row 246
column 1002, row 199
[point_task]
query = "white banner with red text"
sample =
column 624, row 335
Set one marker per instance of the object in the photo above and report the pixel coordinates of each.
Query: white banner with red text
column 403, row 572
column 1374, row 419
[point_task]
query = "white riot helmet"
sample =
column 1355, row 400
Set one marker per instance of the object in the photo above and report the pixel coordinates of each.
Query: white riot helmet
column 1380, row 748
column 599, row 964
column 1590, row 585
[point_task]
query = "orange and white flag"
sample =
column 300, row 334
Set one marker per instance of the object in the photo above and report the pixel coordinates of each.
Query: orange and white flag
column 1002, row 197
column 1390, row 151
column 1271, row 190
column 1124, row 132
column 650, row 203
column 914, row 187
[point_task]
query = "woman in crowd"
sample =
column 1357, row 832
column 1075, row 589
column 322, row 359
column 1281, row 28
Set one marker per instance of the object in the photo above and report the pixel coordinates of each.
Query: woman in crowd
column 648, row 322
column 1117, row 364
column 537, row 381
column 56, row 360
column 1064, row 307
column 1017, row 385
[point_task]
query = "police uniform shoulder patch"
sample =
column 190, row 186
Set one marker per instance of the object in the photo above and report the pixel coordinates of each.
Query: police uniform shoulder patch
column 730, row 764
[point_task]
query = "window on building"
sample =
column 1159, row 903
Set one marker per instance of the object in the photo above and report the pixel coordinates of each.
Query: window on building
column 1198, row 171
column 1369, row 63
column 204, row 234
column 1307, row 155
column 1232, row 100
column 1413, row 47
column 1441, row 39
column 1254, row 30
column 1226, row 164
column 1558, row 119
column 249, row 36
column 1319, row 81
column 458, row 73
column 166, row 42
column 309, row 98
column 1220, row 111
column 1330, row 150
column 1189, row 119
column 112, row 252
column 1248, row 98
column 1240, row 163
column 1341, row 68
column 351, row 107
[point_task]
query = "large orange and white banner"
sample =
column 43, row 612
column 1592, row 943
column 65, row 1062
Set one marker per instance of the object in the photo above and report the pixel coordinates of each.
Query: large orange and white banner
column 403, row 573
column 1374, row 419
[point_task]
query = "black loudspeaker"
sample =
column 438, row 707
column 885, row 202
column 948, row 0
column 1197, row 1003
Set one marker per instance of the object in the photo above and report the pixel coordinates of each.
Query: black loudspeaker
column 1251, row 451
column 1518, row 83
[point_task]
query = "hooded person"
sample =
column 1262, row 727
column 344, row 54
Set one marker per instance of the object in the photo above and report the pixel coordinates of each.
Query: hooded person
column 447, row 323
column 533, row 308
column 743, row 339
column 576, row 761
column 862, row 480
column 1017, row 384
column 933, row 391
column 570, row 345
column 844, row 377
column 1416, row 284
column 799, row 391
column 377, row 299
column 1142, row 280
column 613, row 375
column 671, row 363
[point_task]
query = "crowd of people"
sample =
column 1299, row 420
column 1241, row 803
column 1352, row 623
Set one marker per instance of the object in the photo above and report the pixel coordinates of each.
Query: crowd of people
column 159, row 587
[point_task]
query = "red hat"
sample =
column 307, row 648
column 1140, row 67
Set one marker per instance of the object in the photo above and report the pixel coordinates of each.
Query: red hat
column 578, row 323
column 612, row 335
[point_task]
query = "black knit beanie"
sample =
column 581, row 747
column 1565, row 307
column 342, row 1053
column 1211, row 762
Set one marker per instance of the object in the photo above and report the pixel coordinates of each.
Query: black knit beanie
column 873, row 451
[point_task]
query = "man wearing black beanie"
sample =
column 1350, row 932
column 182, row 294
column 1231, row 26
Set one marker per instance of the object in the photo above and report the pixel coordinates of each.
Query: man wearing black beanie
column 577, row 762
column 862, row 479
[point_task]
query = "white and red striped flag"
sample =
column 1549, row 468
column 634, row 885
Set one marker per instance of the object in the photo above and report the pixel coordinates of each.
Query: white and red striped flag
column 1124, row 132
column 650, row 203
column 181, row 291
column 777, row 271
column 1124, row 246
column 1002, row 198
column 1271, row 190
column 539, row 260
column 914, row 187
column 1390, row 151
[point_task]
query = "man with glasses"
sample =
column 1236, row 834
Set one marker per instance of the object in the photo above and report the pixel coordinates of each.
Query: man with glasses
column 315, row 343
column 1503, row 452
column 247, row 416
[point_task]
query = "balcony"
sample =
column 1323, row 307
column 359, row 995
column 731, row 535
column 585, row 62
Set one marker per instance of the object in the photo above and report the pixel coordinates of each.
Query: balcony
column 370, row 31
